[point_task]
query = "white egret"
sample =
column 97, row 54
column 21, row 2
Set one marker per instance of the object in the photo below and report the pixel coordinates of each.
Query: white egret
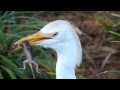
column 61, row 36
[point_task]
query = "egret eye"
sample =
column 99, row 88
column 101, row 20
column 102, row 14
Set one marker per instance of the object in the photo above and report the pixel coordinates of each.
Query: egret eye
column 55, row 34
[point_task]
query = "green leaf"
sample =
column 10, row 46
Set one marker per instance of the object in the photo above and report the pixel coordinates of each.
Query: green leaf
column 50, row 66
column 26, row 26
column 27, row 17
column 51, row 73
column 7, row 15
column 102, row 22
column 115, row 35
column 12, row 35
column 80, row 77
column 3, row 38
column 6, row 61
column 43, row 52
column 10, row 72
column 8, row 21
column 1, row 76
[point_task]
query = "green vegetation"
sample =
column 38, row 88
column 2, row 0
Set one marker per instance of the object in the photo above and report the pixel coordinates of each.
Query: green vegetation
column 14, row 25
column 115, row 22
column 114, row 18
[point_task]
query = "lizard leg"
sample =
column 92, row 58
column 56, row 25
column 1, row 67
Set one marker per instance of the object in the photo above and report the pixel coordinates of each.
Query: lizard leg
column 36, row 66
column 24, row 64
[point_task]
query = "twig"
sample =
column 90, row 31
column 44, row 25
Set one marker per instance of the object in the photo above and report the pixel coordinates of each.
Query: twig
column 115, row 41
column 112, row 51
column 90, row 58
column 116, row 15
column 104, row 72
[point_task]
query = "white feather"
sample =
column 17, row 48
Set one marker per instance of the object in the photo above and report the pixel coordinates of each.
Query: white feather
column 67, row 45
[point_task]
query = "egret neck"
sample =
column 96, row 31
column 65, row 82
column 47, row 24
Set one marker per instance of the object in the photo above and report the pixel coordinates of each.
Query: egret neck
column 67, row 59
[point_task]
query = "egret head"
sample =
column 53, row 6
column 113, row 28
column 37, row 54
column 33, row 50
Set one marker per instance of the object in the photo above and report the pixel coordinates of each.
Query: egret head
column 50, row 36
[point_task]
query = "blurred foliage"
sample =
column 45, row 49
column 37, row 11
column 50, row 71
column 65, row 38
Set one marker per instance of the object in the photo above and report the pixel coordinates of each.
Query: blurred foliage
column 14, row 25
column 114, row 31
column 115, row 23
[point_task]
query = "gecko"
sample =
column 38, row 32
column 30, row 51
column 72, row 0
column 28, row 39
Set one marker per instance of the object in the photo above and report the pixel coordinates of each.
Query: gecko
column 28, row 51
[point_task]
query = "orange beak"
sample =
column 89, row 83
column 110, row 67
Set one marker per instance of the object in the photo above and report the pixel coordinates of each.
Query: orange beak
column 32, row 39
